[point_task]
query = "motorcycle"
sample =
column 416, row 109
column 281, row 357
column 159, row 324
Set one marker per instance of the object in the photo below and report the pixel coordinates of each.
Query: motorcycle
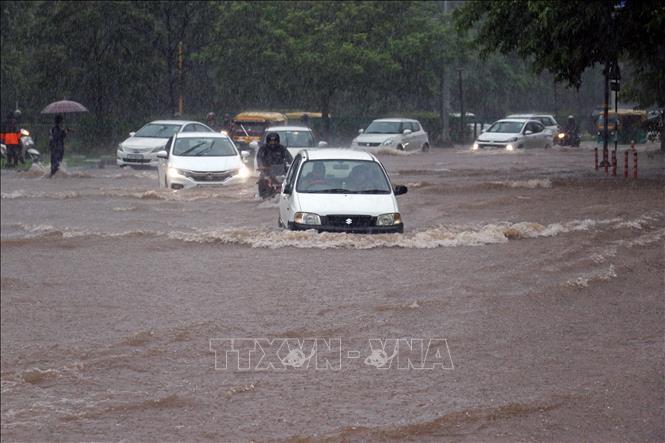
column 270, row 180
column 28, row 150
column 567, row 139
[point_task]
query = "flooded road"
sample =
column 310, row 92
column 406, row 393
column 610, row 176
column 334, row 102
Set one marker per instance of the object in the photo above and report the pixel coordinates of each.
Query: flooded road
column 538, row 281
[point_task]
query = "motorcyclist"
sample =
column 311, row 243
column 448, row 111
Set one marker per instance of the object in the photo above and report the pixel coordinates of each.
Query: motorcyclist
column 12, row 139
column 211, row 120
column 570, row 132
column 270, row 154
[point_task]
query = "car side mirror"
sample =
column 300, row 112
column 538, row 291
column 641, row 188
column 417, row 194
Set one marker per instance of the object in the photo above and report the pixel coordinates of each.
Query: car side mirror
column 254, row 145
column 323, row 144
column 163, row 154
column 528, row 132
column 400, row 189
column 131, row 134
column 288, row 189
column 407, row 132
column 360, row 131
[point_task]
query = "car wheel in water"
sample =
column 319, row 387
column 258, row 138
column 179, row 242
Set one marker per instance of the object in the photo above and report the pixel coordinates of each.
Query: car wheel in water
column 547, row 146
column 400, row 147
column 426, row 147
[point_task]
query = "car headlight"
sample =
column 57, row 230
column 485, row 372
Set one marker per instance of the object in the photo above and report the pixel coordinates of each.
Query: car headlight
column 475, row 147
column 243, row 172
column 388, row 142
column 509, row 147
column 514, row 139
column 174, row 171
column 388, row 219
column 157, row 149
column 307, row 218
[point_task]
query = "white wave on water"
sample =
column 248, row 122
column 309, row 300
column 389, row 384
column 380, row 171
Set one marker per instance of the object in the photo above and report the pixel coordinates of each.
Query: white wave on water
column 239, row 194
column 20, row 193
column 597, row 275
column 531, row 184
column 433, row 237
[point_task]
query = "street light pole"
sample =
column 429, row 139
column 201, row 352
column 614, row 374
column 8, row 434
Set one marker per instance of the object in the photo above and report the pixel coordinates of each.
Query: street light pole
column 461, row 105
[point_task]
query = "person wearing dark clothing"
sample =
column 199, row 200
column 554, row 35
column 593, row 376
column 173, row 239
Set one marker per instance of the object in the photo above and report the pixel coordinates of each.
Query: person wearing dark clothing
column 571, row 126
column 57, row 144
column 12, row 139
column 272, row 153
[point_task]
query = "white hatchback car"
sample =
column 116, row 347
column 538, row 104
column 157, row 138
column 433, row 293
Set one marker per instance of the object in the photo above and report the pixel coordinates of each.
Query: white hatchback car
column 514, row 133
column 398, row 133
column 339, row 190
column 200, row 159
column 142, row 146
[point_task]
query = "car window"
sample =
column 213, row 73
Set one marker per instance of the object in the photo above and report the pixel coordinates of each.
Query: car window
column 416, row 126
column 292, row 170
column 202, row 128
column 384, row 128
column 154, row 130
column 189, row 128
column 506, row 127
column 204, row 147
column 296, row 139
column 342, row 177
column 537, row 127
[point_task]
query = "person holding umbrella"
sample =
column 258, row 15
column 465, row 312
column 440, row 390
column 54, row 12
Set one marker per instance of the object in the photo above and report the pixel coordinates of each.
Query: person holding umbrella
column 57, row 134
column 56, row 144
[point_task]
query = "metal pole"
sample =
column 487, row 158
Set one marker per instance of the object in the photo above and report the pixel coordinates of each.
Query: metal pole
column 606, row 112
column 461, row 105
column 180, row 99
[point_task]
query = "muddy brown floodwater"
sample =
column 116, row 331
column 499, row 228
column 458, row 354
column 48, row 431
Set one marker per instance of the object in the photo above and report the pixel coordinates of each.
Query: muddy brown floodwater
column 524, row 302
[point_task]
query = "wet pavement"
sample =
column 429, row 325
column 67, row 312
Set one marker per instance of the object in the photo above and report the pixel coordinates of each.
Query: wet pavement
column 536, row 282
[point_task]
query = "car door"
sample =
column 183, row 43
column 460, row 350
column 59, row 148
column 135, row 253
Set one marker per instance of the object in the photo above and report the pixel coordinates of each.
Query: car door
column 411, row 138
column 163, row 164
column 286, row 201
column 420, row 134
column 539, row 136
column 529, row 135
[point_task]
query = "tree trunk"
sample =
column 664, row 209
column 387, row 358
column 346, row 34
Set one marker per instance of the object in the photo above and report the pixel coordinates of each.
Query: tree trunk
column 662, row 131
column 444, row 112
column 325, row 115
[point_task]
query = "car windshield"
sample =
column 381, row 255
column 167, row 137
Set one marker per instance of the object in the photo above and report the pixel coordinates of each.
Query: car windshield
column 155, row 130
column 342, row 177
column 203, row 147
column 384, row 128
column 506, row 127
column 296, row 139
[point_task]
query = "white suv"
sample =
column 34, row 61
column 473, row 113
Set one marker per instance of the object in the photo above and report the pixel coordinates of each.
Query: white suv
column 397, row 133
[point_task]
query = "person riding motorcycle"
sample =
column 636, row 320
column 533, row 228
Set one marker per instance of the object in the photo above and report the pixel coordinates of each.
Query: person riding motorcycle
column 271, row 154
column 569, row 135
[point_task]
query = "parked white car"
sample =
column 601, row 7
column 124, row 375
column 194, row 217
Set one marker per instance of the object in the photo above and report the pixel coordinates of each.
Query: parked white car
column 397, row 133
column 339, row 190
column 142, row 146
column 514, row 133
column 294, row 138
column 547, row 120
column 200, row 159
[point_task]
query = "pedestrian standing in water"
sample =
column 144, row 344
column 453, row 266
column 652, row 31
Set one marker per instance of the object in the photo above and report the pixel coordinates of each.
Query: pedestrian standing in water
column 56, row 144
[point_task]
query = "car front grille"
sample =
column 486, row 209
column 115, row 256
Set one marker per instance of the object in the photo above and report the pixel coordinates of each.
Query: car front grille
column 213, row 176
column 491, row 145
column 368, row 144
column 351, row 221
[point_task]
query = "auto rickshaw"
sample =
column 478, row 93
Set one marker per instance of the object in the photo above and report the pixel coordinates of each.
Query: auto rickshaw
column 248, row 127
column 630, row 123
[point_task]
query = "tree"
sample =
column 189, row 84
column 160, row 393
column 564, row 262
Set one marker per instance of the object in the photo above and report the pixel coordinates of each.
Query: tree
column 567, row 38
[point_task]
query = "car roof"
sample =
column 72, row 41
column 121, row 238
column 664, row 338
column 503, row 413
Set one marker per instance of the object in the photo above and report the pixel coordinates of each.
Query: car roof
column 338, row 154
column 517, row 120
column 173, row 122
column 202, row 134
column 530, row 116
column 397, row 119
column 287, row 128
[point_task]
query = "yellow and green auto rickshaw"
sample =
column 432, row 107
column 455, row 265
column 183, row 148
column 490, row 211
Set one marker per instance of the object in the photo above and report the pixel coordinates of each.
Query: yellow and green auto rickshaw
column 630, row 123
column 248, row 127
